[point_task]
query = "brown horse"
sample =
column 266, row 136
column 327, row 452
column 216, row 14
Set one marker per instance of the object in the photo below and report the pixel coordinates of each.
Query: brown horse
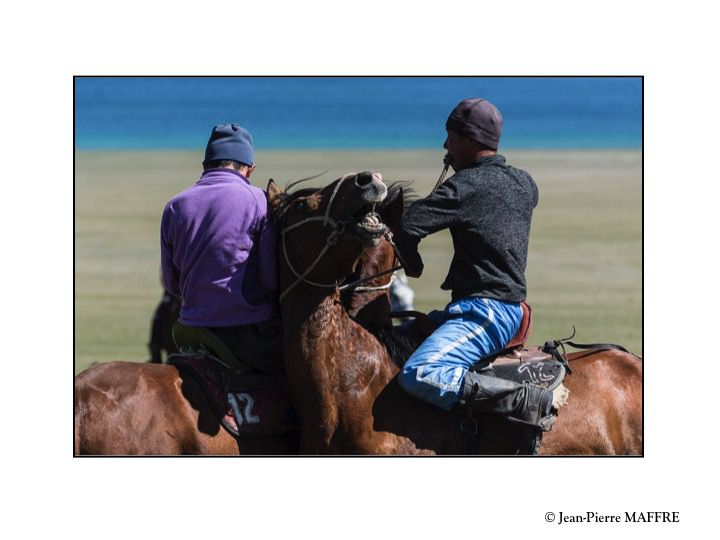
column 604, row 413
column 128, row 408
column 342, row 378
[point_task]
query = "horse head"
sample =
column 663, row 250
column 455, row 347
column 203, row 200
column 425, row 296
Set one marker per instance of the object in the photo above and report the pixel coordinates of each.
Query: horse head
column 323, row 232
column 368, row 290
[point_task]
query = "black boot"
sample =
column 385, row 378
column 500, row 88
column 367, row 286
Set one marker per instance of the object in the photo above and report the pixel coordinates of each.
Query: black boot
column 525, row 403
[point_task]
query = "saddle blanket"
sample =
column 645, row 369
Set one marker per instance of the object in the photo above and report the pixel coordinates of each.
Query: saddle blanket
column 258, row 408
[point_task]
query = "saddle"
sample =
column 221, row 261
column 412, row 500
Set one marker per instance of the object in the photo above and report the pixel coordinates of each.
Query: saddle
column 515, row 350
column 548, row 374
column 246, row 402
column 542, row 366
column 536, row 366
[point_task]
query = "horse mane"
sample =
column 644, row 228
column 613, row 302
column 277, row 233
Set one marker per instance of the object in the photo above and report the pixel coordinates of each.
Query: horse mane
column 286, row 199
column 394, row 188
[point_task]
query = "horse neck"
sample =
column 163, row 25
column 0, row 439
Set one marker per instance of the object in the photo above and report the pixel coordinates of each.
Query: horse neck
column 310, row 318
column 370, row 308
column 335, row 367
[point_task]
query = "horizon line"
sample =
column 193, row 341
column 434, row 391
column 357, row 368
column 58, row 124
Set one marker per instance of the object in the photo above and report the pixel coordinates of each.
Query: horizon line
column 341, row 149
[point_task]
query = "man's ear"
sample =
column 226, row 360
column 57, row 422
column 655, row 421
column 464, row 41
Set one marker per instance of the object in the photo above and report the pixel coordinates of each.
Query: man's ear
column 274, row 194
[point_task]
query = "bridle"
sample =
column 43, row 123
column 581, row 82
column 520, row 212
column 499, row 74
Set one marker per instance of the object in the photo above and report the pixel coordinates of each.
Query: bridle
column 337, row 228
column 366, row 288
column 392, row 271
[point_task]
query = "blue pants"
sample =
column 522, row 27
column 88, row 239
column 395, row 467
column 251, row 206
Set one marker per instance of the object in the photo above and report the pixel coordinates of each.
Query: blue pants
column 472, row 328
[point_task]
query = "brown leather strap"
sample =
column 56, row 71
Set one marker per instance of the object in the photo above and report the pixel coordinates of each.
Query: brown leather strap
column 523, row 333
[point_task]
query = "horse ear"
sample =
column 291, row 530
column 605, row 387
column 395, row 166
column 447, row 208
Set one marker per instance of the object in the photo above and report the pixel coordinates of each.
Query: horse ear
column 274, row 194
column 392, row 213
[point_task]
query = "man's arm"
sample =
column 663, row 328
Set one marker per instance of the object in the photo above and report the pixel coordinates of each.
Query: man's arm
column 169, row 272
column 267, row 251
column 437, row 211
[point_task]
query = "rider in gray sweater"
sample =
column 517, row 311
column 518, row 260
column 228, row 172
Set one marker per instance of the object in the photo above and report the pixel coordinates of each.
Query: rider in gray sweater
column 487, row 205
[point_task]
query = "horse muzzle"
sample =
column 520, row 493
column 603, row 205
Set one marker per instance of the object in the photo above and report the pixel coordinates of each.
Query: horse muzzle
column 374, row 190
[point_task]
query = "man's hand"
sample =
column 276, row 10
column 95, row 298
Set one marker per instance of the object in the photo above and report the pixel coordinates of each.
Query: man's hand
column 407, row 252
column 413, row 265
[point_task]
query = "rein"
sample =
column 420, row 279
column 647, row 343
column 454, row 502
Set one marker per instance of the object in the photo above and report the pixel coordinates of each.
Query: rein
column 557, row 349
column 330, row 241
column 354, row 284
column 389, row 237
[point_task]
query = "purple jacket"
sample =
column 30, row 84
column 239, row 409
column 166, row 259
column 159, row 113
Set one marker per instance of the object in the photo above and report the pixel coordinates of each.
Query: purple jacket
column 218, row 251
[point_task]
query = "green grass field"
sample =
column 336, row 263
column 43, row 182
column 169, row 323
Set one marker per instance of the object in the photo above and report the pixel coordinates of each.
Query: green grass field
column 584, row 266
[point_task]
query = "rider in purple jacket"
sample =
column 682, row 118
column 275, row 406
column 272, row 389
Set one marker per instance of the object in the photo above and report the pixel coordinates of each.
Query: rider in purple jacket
column 218, row 252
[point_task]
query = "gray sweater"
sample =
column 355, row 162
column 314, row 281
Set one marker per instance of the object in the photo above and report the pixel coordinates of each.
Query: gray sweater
column 487, row 207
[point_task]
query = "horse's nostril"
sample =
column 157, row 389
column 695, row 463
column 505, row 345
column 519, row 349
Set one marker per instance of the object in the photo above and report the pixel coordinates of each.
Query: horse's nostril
column 363, row 179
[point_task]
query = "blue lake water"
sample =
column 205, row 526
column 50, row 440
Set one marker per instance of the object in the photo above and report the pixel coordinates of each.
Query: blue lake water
column 352, row 112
